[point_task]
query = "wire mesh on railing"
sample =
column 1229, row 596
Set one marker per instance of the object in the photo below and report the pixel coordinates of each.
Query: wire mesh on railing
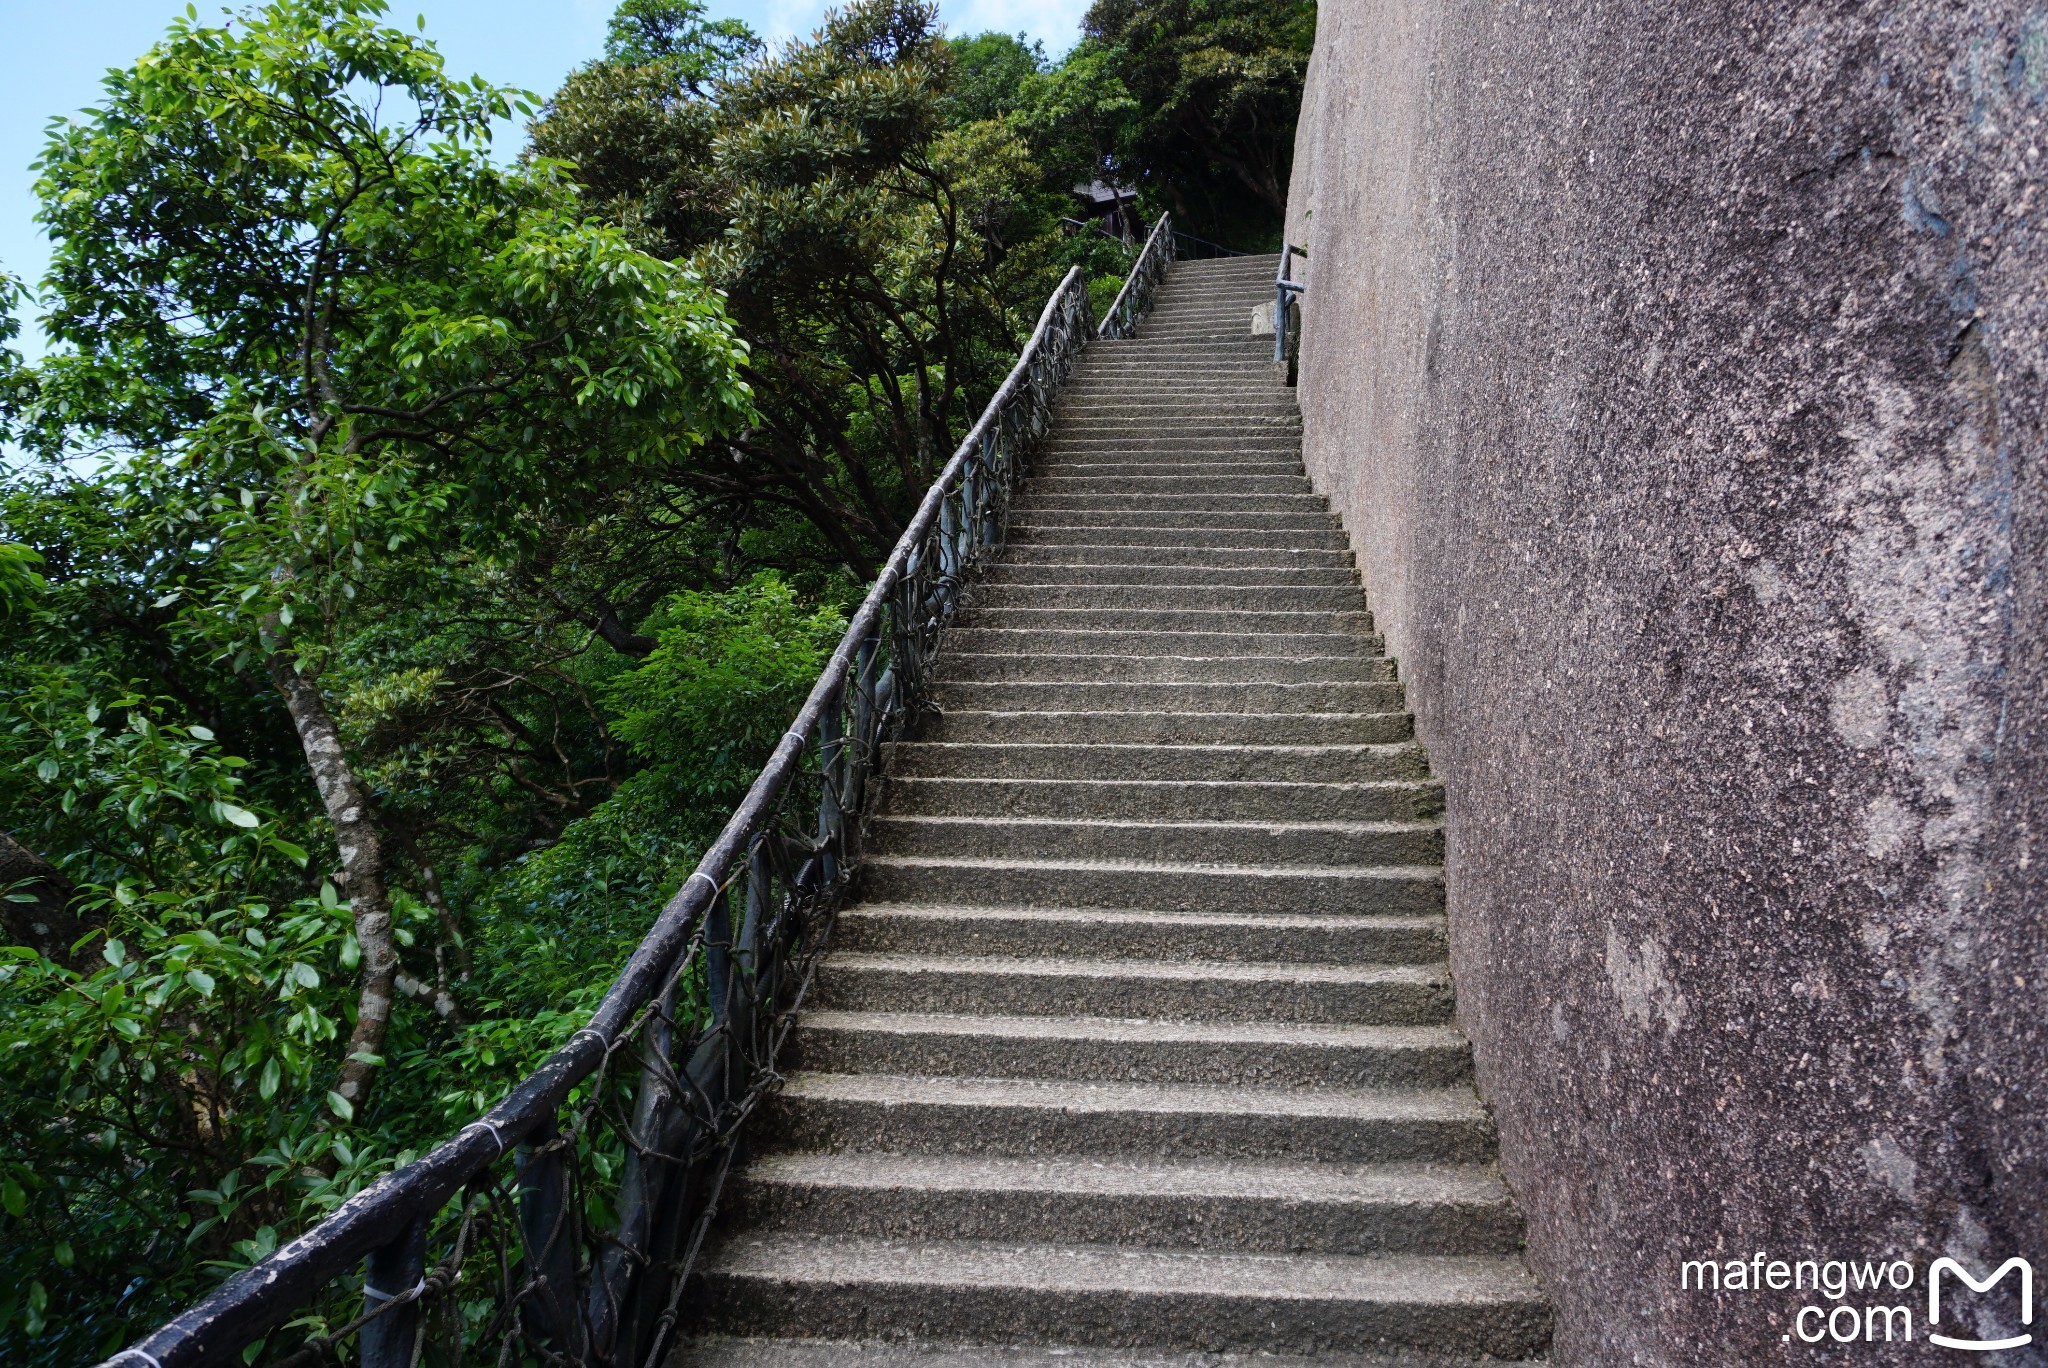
column 562, row 1227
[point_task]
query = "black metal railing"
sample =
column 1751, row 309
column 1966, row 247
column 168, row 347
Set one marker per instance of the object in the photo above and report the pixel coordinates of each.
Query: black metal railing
column 1188, row 247
column 1134, row 301
column 561, row 1227
column 1286, row 290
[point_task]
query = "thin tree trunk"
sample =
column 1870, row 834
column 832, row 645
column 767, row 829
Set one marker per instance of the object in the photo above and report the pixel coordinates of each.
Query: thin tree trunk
column 362, row 864
column 45, row 925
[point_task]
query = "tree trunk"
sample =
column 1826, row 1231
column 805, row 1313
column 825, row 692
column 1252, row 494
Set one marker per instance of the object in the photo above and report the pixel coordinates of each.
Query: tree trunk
column 362, row 864
column 45, row 925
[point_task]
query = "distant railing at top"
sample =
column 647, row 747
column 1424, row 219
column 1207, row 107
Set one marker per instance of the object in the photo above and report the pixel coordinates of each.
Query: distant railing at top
column 1074, row 225
column 1134, row 301
column 561, row 1227
column 1188, row 247
column 1286, row 289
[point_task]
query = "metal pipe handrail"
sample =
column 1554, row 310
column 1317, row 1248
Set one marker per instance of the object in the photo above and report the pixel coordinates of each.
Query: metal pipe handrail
column 1134, row 300
column 1284, row 286
column 704, row 1065
column 1218, row 248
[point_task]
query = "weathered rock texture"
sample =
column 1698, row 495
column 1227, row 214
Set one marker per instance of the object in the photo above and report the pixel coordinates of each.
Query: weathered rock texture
column 1676, row 369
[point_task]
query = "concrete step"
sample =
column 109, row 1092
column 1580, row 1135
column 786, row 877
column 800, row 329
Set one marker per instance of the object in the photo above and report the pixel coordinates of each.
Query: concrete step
column 1364, row 890
column 1174, row 729
column 1217, row 1205
column 1297, row 509
column 1208, row 515
column 995, row 595
column 1112, row 1049
column 1172, row 556
column 1160, row 990
column 1103, row 696
column 731, row 1351
column 1257, row 382
column 1138, row 482
column 1228, row 345
column 1197, row 645
column 1166, row 461
column 968, row 666
column 1035, row 533
column 1262, row 443
column 998, row 594
column 1125, row 933
column 1162, row 800
column 1334, row 764
column 1014, row 569
column 1256, row 403
column 1005, row 1116
column 1146, row 620
column 827, row 1286
column 1166, row 841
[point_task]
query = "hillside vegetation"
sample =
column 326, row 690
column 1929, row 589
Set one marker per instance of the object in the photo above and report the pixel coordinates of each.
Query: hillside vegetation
column 410, row 552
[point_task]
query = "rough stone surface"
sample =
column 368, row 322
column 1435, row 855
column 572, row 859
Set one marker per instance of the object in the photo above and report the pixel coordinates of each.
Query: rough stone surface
column 1675, row 369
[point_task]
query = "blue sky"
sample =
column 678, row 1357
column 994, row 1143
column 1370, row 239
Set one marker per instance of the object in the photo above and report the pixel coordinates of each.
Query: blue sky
column 53, row 53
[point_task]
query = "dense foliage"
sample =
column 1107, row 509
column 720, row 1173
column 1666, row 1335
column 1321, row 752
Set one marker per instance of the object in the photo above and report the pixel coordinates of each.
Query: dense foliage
column 409, row 558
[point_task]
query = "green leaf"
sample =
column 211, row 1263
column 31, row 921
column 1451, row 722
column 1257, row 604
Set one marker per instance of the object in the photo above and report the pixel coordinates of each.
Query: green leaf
column 240, row 816
column 201, row 981
column 266, row 1085
column 13, row 1198
column 341, row 1106
column 48, row 770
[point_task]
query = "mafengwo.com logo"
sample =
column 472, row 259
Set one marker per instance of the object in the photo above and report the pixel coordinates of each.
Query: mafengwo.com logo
column 1874, row 1301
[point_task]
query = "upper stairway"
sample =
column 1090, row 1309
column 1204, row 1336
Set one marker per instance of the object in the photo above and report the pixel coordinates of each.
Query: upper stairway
column 1138, row 1044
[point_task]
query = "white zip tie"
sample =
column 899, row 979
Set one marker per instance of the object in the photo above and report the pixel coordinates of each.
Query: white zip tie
column 151, row 1359
column 417, row 1288
column 700, row 874
column 465, row 1130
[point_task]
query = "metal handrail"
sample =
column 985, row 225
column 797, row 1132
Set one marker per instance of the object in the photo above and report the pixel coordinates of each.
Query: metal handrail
column 1284, row 286
column 1180, row 252
column 1085, row 226
column 1134, row 301
column 683, row 1045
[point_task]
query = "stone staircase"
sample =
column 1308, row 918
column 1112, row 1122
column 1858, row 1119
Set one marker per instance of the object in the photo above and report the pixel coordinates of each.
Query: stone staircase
column 1137, row 1049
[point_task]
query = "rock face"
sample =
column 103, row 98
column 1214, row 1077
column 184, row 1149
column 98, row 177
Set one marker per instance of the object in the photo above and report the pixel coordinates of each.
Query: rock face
column 1676, row 370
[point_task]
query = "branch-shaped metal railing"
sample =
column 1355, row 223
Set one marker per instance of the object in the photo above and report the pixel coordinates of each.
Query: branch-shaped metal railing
column 1134, row 301
column 561, row 1227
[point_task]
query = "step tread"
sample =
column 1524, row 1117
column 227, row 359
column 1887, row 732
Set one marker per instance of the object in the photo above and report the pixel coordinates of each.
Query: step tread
column 1137, row 1029
column 1078, row 1096
column 1276, row 827
column 723, row 1351
column 1437, row 1280
column 1187, row 971
column 1287, row 1181
column 1095, row 916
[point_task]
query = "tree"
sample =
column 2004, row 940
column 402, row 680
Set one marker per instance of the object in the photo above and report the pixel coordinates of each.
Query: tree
column 331, row 399
column 376, row 337
column 1216, row 86
column 880, row 244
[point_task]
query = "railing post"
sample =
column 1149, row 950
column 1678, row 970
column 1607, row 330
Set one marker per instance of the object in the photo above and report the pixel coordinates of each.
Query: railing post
column 1280, row 304
column 831, row 820
column 547, row 1227
column 393, row 1272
